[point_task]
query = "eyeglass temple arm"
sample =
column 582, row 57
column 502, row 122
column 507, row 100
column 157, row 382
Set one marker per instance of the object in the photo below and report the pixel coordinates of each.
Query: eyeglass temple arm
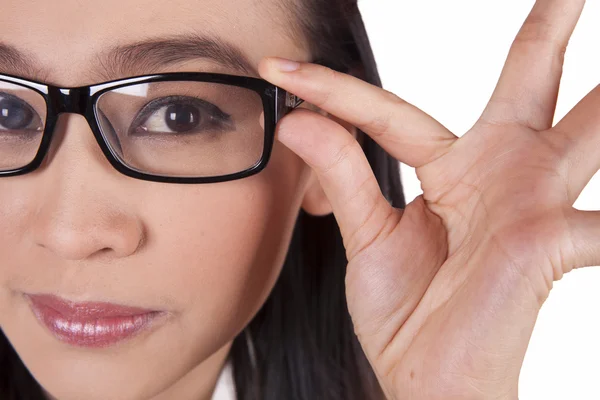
column 292, row 101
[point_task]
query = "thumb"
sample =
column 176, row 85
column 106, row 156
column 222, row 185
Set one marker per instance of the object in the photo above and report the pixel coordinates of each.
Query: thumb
column 344, row 173
column 393, row 254
column 386, row 282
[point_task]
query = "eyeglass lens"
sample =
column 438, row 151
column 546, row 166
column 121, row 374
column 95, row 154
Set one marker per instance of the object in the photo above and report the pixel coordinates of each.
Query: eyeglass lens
column 169, row 128
column 22, row 120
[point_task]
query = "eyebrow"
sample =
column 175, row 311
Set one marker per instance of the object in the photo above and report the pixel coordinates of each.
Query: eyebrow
column 141, row 57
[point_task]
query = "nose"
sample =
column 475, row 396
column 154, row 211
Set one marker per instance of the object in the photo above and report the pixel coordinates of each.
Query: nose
column 84, row 207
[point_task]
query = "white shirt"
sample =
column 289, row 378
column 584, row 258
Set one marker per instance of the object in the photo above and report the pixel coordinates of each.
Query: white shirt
column 225, row 389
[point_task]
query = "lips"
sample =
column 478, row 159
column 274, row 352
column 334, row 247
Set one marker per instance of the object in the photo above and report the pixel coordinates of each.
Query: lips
column 90, row 324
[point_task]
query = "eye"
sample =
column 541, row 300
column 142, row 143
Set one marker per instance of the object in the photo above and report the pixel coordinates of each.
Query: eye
column 179, row 115
column 17, row 115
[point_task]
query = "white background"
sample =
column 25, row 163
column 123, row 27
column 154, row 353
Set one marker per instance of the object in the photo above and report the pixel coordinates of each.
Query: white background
column 445, row 57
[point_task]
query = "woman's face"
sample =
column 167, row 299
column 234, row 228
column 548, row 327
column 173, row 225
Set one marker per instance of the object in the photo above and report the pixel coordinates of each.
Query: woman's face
column 206, row 254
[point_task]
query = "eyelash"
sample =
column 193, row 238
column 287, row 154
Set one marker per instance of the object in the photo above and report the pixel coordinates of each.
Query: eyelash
column 216, row 116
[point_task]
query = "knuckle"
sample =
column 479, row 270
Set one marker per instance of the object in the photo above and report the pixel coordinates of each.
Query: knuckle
column 540, row 31
column 324, row 95
column 393, row 98
column 374, row 226
column 535, row 28
column 340, row 156
column 381, row 123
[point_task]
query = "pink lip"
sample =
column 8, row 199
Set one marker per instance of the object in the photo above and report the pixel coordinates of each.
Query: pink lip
column 90, row 324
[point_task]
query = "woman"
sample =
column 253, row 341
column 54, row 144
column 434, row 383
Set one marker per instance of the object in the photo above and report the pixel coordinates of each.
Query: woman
column 140, row 260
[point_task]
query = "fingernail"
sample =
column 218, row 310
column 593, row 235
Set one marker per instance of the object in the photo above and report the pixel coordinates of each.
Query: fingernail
column 285, row 65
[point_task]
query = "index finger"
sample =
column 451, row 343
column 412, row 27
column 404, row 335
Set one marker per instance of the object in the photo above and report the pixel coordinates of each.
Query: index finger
column 404, row 131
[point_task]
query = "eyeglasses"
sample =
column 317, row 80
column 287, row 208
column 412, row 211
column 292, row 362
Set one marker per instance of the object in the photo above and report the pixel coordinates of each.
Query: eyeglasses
column 180, row 127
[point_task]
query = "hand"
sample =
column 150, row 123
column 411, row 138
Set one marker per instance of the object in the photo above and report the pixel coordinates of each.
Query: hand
column 444, row 294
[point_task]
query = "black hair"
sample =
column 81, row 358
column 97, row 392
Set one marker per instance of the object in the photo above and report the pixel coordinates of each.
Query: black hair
column 303, row 345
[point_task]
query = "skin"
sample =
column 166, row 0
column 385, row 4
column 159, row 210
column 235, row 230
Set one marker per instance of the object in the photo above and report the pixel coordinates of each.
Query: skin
column 444, row 294
column 79, row 229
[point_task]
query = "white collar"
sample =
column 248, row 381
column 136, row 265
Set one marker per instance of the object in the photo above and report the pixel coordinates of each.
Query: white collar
column 225, row 389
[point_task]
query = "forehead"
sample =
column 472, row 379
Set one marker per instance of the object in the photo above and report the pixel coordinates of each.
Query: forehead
column 64, row 39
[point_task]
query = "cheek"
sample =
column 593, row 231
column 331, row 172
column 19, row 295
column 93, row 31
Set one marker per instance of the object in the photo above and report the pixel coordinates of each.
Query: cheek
column 15, row 218
column 212, row 255
column 222, row 250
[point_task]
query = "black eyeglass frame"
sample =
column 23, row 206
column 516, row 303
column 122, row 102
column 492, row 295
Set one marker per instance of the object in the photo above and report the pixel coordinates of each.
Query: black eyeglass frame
column 82, row 100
